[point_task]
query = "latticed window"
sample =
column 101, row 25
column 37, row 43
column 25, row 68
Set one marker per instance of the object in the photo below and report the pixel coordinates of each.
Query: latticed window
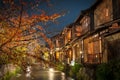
column 69, row 35
column 78, row 30
column 85, row 24
column 57, row 43
column 103, row 13
column 92, row 48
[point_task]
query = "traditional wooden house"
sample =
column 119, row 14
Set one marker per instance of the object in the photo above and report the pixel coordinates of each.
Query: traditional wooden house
column 94, row 36
column 55, row 52
column 72, row 44
column 75, row 42
column 95, row 26
column 67, row 48
column 85, row 23
column 99, row 36
column 106, row 26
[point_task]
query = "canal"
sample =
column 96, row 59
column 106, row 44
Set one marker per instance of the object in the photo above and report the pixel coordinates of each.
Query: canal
column 37, row 73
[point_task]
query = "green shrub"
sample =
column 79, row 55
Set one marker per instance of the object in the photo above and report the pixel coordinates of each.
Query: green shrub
column 102, row 72
column 18, row 70
column 109, row 71
column 60, row 67
column 74, row 70
column 115, row 70
column 80, row 77
column 8, row 75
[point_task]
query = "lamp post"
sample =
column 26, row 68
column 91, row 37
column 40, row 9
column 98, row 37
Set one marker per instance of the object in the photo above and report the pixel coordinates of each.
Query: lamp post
column 51, row 55
column 81, row 56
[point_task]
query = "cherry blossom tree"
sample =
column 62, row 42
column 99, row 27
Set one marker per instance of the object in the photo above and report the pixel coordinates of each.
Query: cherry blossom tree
column 19, row 27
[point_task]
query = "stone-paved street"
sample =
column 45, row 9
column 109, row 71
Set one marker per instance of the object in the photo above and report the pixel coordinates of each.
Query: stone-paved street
column 37, row 73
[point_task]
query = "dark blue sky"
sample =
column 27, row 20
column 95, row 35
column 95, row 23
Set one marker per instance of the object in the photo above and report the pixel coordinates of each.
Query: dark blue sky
column 72, row 8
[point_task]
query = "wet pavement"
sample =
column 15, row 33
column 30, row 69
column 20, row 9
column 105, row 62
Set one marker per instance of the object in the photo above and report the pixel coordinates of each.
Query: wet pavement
column 37, row 73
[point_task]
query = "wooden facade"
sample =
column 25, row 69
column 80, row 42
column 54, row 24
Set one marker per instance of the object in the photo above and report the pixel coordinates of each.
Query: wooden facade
column 92, row 49
column 116, row 9
column 85, row 24
column 89, row 38
column 103, row 13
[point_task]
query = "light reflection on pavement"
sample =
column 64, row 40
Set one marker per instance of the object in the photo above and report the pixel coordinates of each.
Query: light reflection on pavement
column 36, row 73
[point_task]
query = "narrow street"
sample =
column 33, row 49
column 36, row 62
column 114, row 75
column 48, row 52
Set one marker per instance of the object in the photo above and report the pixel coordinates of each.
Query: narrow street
column 59, row 39
column 38, row 73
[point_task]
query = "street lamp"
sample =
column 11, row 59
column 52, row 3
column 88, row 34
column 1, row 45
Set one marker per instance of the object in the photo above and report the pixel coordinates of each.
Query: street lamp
column 51, row 55
column 81, row 55
column 51, row 52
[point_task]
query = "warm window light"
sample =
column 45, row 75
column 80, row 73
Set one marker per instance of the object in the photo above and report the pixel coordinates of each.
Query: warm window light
column 96, row 56
column 50, row 52
column 57, row 49
column 81, row 52
column 107, row 11
column 96, row 35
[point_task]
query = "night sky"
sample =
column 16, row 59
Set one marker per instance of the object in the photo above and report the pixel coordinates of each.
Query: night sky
column 72, row 9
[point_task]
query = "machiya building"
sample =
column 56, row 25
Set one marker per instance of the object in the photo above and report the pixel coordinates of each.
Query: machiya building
column 93, row 38
column 95, row 34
